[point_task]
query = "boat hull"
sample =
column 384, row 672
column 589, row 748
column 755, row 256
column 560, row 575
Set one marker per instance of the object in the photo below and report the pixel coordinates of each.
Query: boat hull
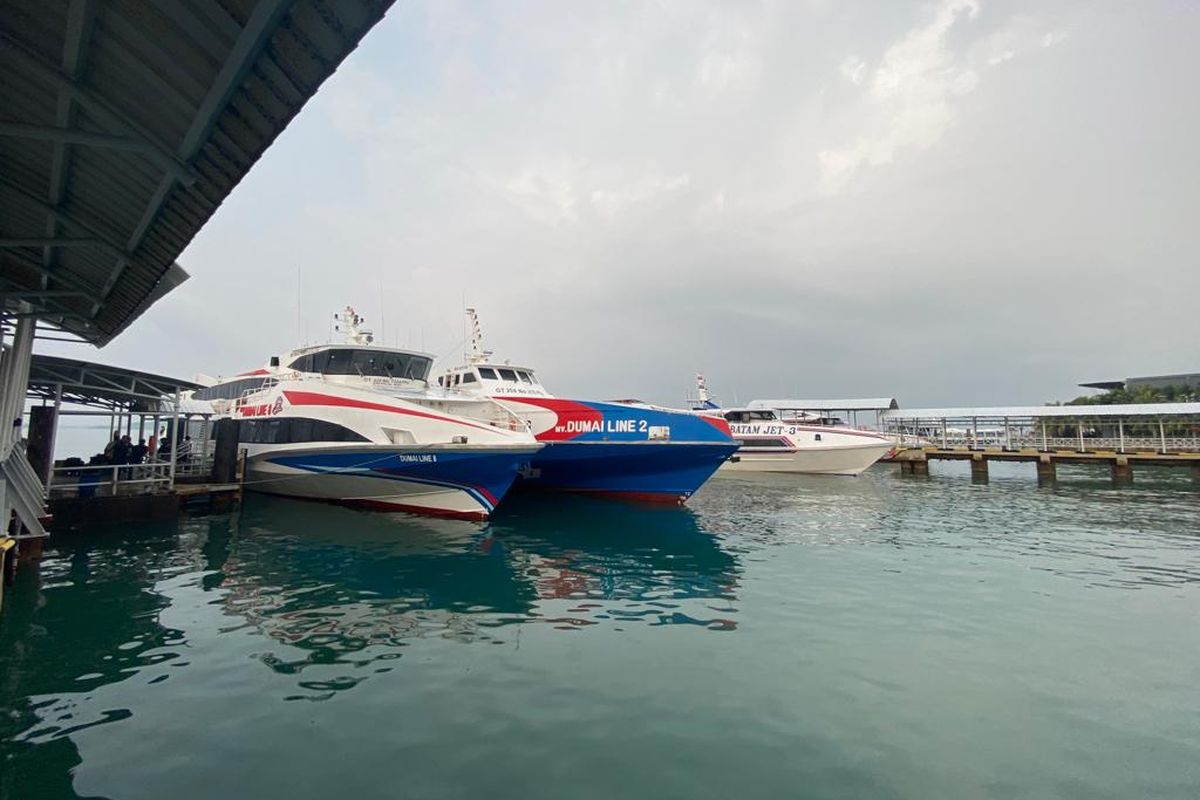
column 661, row 472
column 850, row 459
column 447, row 481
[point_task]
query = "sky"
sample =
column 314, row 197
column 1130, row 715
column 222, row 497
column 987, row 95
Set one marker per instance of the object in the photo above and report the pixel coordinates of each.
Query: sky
column 965, row 202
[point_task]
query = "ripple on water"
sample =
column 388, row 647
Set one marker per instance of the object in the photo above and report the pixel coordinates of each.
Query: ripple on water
column 879, row 637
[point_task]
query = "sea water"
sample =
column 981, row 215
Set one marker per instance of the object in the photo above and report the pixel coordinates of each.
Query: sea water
column 781, row 636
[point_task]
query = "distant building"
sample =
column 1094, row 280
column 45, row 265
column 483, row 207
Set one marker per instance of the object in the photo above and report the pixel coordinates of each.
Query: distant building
column 1191, row 380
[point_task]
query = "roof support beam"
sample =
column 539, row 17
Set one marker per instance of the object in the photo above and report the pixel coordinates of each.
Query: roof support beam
column 80, row 16
column 39, row 293
column 263, row 22
column 266, row 18
column 63, row 216
column 50, row 241
column 49, row 133
column 101, row 109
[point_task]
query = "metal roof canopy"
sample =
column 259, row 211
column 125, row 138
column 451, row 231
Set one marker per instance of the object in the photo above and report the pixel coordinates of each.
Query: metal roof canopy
column 859, row 404
column 1151, row 410
column 115, row 388
column 125, row 124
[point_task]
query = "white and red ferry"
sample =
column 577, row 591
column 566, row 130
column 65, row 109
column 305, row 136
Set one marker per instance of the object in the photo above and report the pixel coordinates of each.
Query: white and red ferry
column 329, row 423
column 777, row 441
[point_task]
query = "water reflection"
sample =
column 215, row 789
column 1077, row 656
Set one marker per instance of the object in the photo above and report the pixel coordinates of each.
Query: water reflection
column 101, row 628
column 347, row 587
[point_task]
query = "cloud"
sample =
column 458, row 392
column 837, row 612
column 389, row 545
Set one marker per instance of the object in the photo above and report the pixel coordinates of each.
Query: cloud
column 909, row 104
column 898, row 200
column 855, row 69
column 1053, row 38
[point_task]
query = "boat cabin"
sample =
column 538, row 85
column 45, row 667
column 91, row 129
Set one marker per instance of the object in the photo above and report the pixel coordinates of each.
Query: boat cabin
column 379, row 367
column 493, row 379
column 362, row 362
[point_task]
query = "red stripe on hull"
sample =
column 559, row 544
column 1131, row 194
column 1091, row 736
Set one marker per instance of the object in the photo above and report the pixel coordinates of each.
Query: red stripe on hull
column 316, row 399
column 384, row 505
column 717, row 422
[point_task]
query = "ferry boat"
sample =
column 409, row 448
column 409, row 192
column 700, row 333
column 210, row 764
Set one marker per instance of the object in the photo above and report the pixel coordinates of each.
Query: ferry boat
column 326, row 423
column 624, row 449
column 800, row 443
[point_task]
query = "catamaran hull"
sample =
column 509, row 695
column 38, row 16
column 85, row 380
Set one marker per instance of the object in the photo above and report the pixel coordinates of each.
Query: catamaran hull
column 840, row 460
column 459, row 483
column 660, row 472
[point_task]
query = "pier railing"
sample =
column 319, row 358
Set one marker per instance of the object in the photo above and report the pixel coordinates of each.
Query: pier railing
column 1149, row 428
column 109, row 480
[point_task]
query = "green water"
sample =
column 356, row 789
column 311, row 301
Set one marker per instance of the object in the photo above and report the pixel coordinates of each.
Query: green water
column 883, row 637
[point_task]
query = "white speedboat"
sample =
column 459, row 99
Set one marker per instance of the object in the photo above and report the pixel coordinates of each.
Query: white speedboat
column 327, row 423
column 771, row 443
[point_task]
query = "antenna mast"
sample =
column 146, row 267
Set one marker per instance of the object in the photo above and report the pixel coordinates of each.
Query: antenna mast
column 350, row 324
column 477, row 354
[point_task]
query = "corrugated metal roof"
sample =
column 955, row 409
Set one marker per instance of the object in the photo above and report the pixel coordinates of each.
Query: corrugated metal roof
column 857, row 404
column 88, row 383
column 123, row 126
column 1040, row 412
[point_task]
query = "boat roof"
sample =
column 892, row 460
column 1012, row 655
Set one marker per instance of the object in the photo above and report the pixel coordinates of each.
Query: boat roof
column 851, row 404
column 312, row 348
column 1152, row 410
column 492, row 365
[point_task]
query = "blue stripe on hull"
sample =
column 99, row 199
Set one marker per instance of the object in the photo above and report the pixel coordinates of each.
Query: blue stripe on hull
column 484, row 476
column 665, row 471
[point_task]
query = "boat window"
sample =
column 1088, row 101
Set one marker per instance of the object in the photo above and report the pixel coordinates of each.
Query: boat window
column 469, row 377
column 301, row 430
column 762, row 415
column 439, row 380
column 524, row 376
column 230, row 390
column 765, row 443
column 488, row 372
column 736, row 416
column 367, row 362
column 295, row 430
column 303, row 364
column 508, row 374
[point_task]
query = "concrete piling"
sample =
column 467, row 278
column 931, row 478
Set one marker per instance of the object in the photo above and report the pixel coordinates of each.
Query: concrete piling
column 979, row 469
column 1047, row 472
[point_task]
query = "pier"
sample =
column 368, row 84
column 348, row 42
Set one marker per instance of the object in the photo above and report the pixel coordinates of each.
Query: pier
column 1121, row 437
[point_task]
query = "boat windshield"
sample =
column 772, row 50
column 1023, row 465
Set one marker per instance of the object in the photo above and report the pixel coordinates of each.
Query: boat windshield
column 365, row 362
column 749, row 416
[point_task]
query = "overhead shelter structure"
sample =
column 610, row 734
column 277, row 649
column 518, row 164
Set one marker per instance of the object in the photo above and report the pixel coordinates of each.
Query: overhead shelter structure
column 1159, row 427
column 123, row 126
column 850, row 408
column 70, row 387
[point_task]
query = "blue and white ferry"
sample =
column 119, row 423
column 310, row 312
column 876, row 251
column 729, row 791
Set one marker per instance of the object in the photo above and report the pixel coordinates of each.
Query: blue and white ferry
column 621, row 449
